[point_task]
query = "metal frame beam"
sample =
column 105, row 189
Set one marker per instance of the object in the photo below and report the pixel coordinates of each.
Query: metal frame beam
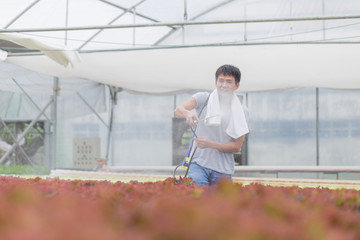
column 5, row 156
column 196, row 17
column 22, row 13
column 92, row 109
column 16, row 141
column 130, row 10
column 111, row 22
column 163, row 24
column 197, row 45
column 30, row 99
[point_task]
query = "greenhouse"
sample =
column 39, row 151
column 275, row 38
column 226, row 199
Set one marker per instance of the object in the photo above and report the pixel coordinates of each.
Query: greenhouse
column 84, row 81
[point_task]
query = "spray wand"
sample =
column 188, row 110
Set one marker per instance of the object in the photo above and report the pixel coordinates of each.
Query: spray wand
column 196, row 121
column 187, row 161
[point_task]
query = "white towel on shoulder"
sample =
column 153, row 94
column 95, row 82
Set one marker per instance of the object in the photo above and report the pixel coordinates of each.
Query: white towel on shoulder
column 237, row 126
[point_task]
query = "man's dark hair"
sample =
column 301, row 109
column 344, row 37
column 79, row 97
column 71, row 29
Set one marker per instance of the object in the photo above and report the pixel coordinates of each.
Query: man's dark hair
column 229, row 70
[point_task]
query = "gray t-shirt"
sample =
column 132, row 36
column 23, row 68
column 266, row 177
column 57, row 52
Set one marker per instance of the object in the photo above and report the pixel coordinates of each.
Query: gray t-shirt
column 213, row 159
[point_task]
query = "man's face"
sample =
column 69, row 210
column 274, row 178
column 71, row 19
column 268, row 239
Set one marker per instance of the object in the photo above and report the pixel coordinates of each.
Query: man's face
column 226, row 85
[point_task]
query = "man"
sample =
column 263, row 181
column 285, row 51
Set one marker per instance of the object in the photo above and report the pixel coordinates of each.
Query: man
column 220, row 127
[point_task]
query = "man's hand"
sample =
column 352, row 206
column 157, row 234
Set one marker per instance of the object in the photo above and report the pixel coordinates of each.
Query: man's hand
column 184, row 111
column 191, row 119
column 202, row 142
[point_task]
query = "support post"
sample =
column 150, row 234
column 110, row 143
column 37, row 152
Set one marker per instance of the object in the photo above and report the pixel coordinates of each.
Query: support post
column 66, row 21
column 53, row 123
column 323, row 22
column 317, row 128
column 245, row 17
column 246, row 140
column 111, row 119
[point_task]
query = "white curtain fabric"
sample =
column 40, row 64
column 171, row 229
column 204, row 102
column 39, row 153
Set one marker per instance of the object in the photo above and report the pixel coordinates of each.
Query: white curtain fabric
column 63, row 55
column 264, row 67
column 277, row 55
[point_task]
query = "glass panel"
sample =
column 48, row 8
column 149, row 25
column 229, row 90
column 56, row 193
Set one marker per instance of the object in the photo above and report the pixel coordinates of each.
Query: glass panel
column 339, row 127
column 282, row 128
column 142, row 130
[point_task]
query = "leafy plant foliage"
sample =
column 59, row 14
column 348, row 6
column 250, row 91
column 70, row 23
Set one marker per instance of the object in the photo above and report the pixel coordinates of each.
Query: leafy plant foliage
column 173, row 209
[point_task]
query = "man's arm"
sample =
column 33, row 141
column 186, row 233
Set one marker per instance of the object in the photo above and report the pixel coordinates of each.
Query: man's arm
column 184, row 111
column 234, row 146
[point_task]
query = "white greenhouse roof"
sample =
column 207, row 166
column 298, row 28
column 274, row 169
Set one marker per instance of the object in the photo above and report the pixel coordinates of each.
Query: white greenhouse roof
column 161, row 46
